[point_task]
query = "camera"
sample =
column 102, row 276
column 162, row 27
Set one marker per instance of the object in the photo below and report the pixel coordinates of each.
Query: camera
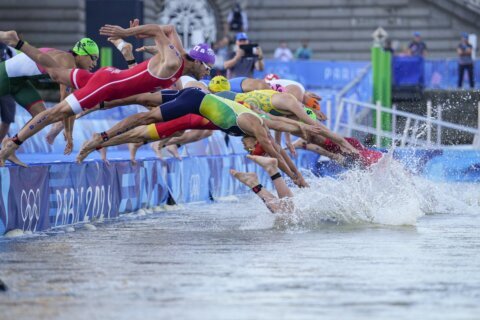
column 251, row 49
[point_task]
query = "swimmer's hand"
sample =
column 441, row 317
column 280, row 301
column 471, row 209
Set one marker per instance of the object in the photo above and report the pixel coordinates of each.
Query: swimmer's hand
column 113, row 31
column 320, row 115
column 292, row 149
column 148, row 49
column 300, row 182
column 309, row 94
column 309, row 129
column 134, row 23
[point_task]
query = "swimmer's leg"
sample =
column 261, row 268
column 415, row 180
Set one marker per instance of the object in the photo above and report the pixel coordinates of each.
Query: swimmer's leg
column 270, row 165
column 250, row 179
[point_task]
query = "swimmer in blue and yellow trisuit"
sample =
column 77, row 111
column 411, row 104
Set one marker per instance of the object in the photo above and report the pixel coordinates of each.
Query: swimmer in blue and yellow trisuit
column 229, row 116
column 284, row 104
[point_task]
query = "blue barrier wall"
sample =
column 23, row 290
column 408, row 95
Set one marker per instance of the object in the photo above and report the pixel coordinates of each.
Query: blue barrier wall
column 52, row 195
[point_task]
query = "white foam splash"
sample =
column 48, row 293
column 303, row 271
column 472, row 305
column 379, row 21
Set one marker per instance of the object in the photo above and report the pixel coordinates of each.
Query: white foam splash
column 385, row 194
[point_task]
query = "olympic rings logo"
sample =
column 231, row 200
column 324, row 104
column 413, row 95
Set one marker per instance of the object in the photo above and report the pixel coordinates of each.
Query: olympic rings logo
column 30, row 208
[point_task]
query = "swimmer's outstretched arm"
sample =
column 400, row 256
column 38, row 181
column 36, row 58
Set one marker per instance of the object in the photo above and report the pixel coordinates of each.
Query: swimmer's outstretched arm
column 11, row 38
column 300, row 181
column 288, row 142
column 291, row 126
column 146, row 31
column 260, row 133
column 302, row 144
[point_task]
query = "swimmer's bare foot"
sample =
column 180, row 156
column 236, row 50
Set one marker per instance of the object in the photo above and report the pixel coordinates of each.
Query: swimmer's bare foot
column 173, row 150
column 8, row 149
column 133, row 147
column 157, row 148
column 68, row 146
column 13, row 158
column 249, row 179
column 54, row 131
column 9, row 37
column 270, row 165
column 88, row 147
column 103, row 156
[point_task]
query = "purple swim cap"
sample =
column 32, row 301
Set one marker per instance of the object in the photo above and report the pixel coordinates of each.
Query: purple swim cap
column 203, row 52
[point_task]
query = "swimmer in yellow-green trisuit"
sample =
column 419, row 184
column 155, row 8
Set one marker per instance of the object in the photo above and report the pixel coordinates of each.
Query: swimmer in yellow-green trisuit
column 229, row 116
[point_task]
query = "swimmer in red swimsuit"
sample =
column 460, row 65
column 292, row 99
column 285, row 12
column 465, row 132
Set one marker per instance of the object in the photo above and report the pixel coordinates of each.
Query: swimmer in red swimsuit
column 365, row 159
column 109, row 83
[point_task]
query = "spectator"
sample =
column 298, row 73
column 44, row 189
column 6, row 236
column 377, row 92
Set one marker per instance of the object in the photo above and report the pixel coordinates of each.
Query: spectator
column 242, row 64
column 417, row 47
column 303, row 52
column 388, row 47
column 237, row 19
column 465, row 61
column 283, row 53
column 7, row 104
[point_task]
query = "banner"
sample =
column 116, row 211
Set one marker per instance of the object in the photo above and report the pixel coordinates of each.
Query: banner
column 314, row 73
column 188, row 180
column 81, row 193
column 24, row 198
column 408, row 71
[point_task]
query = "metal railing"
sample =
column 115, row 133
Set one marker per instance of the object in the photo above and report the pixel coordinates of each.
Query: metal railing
column 417, row 130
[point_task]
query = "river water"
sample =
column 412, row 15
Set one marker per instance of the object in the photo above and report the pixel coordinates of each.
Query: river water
column 366, row 246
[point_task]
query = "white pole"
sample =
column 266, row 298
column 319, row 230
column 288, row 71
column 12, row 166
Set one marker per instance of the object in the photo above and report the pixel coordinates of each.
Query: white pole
column 351, row 119
column 478, row 126
column 429, row 122
column 439, row 126
column 338, row 115
column 379, row 124
column 329, row 114
column 394, row 123
column 405, row 132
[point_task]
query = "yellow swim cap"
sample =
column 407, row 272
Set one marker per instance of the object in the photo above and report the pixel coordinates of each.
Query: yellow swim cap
column 218, row 84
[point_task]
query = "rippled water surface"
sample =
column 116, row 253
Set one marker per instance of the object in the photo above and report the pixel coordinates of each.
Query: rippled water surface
column 399, row 248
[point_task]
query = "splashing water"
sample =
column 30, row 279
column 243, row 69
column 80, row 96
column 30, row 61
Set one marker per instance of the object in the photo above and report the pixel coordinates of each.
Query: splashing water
column 385, row 194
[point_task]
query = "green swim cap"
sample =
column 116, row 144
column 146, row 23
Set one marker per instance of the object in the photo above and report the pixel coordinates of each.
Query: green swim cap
column 310, row 113
column 85, row 47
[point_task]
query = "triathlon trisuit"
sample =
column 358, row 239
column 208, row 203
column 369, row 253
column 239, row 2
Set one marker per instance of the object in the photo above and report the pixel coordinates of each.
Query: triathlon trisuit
column 258, row 151
column 15, row 75
column 285, row 83
column 261, row 99
column 162, row 130
column 221, row 112
column 367, row 156
column 110, row 83
column 236, row 84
